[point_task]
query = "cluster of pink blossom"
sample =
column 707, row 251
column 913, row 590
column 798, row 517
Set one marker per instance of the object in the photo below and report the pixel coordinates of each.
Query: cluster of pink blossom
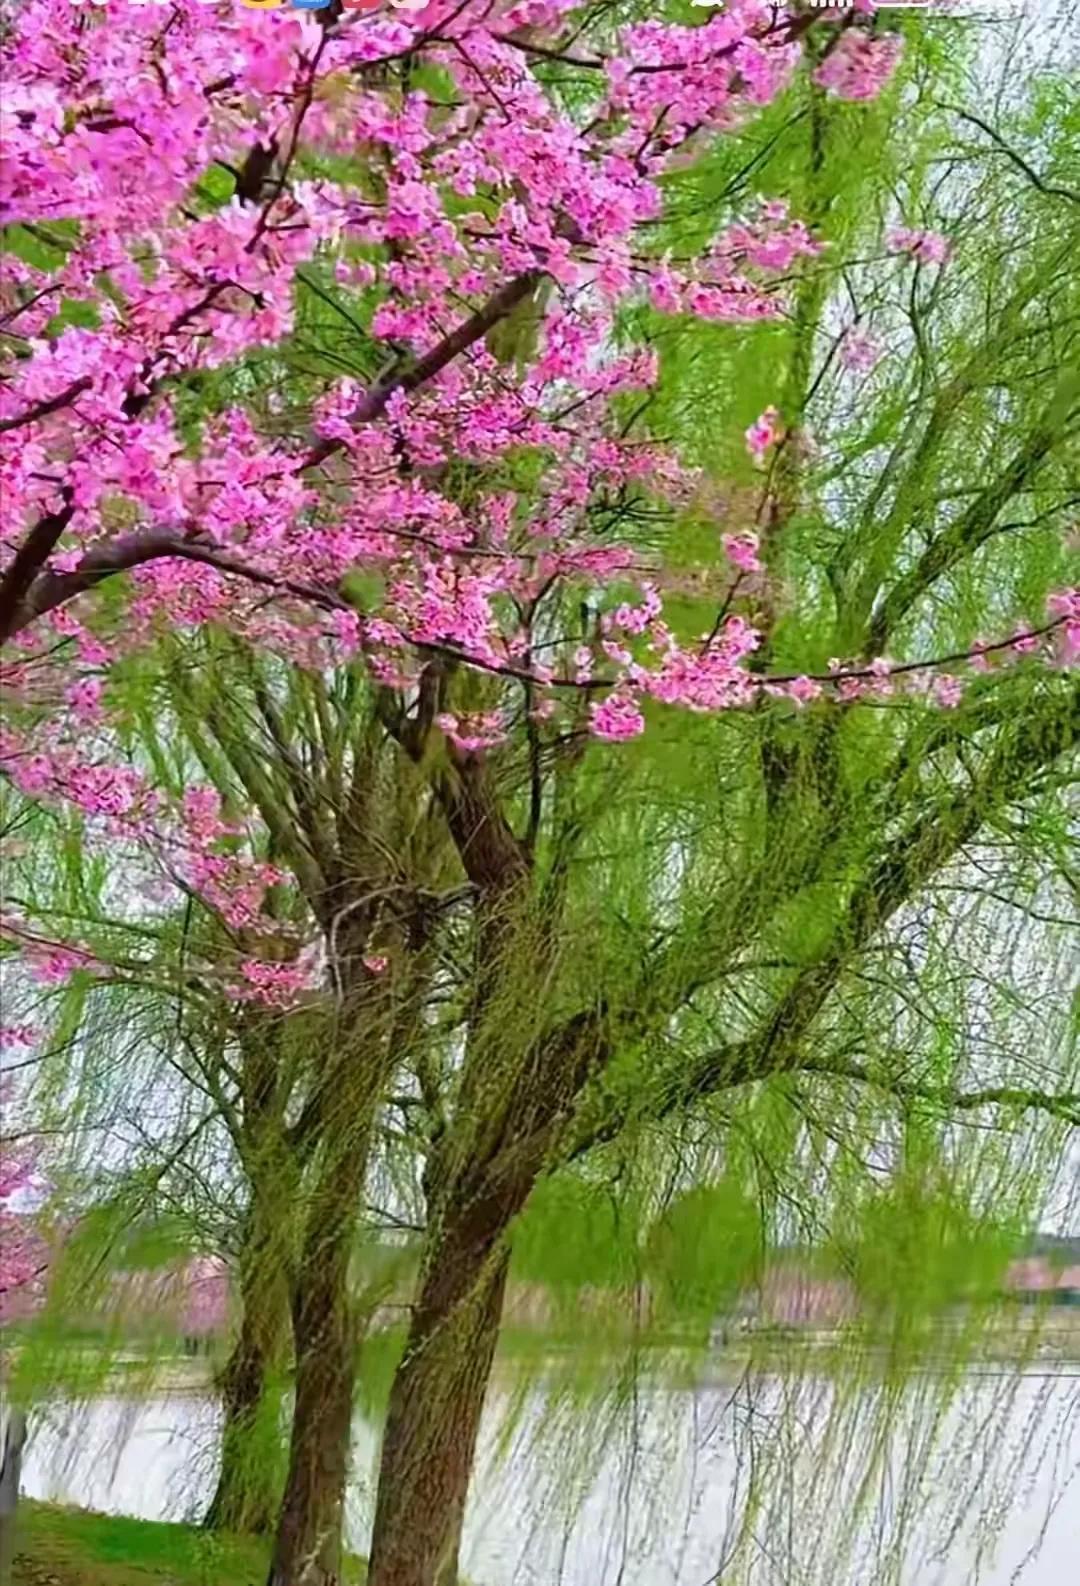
column 470, row 734
column 860, row 64
column 1065, row 605
column 17, row 1035
column 190, row 844
column 54, row 965
column 278, row 985
column 859, row 352
column 206, row 1290
column 742, row 550
column 763, row 433
column 617, row 718
column 174, row 179
column 194, row 284
column 233, row 885
column 928, row 247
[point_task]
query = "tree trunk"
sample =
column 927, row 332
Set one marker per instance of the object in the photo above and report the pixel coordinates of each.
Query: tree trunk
column 249, row 1481
column 252, row 1453
column 14, row 1437
column 429, row 1443
column 307, row 1547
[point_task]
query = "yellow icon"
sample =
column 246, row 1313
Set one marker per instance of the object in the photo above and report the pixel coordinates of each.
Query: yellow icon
column 263, row 5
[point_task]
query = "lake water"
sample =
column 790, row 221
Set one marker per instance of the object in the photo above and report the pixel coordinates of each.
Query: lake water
column 990, row 1490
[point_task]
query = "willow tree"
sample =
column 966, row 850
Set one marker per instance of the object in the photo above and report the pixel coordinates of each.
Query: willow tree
column 164, row 281
column 690, row 921
column 244, row 1121
column 161, row 1105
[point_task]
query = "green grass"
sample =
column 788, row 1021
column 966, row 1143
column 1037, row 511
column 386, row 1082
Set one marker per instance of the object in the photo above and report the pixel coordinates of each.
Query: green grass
column 73, row 1547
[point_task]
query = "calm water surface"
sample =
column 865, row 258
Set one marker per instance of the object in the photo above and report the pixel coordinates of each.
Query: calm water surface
column 994, row 1500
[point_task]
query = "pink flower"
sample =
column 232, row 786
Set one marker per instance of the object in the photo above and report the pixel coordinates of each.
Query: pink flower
column 880, row 670
column 803, row 689
column 929, row 247
column 13, row 1035
column 762, row 433
column 472, row 734
column 277, row 985
column 375, row 963
column 858, row 351
column 948, row 691
column 53, row 966
column 616, row 719
column 1064, row 603
column 859, row 65
column 84, row 697
column 742, row 550
column 202, row 811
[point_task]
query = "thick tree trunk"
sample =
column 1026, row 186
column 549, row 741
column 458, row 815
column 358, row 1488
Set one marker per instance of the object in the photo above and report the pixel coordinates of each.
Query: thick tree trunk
column 326, row 1326
column 476, row 1183
column 429, row 1443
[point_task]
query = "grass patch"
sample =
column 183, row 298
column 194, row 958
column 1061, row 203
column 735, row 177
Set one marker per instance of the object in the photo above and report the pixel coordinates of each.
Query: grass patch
column 72, row 1547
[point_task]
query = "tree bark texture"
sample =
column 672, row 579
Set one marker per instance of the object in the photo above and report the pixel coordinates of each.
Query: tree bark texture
column 429, row 1442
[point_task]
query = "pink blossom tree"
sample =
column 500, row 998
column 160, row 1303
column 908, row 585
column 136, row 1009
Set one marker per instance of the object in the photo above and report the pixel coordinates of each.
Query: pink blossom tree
column 444, row 526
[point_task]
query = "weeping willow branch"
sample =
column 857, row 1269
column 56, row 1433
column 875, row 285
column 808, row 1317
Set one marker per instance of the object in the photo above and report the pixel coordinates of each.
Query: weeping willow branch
column 950, row 1098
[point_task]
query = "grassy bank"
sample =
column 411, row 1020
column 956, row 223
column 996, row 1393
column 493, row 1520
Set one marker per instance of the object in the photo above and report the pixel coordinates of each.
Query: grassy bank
column 71, row 1547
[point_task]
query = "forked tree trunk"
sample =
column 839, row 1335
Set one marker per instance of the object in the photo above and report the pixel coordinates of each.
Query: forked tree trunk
column 326, row 1323
column 429, row 1443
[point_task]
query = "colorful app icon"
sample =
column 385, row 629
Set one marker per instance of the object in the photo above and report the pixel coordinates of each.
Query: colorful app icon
column 262, row 5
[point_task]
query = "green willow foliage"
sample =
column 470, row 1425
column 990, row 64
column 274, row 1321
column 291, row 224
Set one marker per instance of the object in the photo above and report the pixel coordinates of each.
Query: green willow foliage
column 822, row 952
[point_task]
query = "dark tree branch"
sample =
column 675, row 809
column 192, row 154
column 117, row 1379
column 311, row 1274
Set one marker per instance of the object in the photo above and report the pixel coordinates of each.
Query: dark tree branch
column 50, row 590
column 1037, row 181
column 42, row 409
column 968, row 532
column 409, row 377
column 31, row 556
